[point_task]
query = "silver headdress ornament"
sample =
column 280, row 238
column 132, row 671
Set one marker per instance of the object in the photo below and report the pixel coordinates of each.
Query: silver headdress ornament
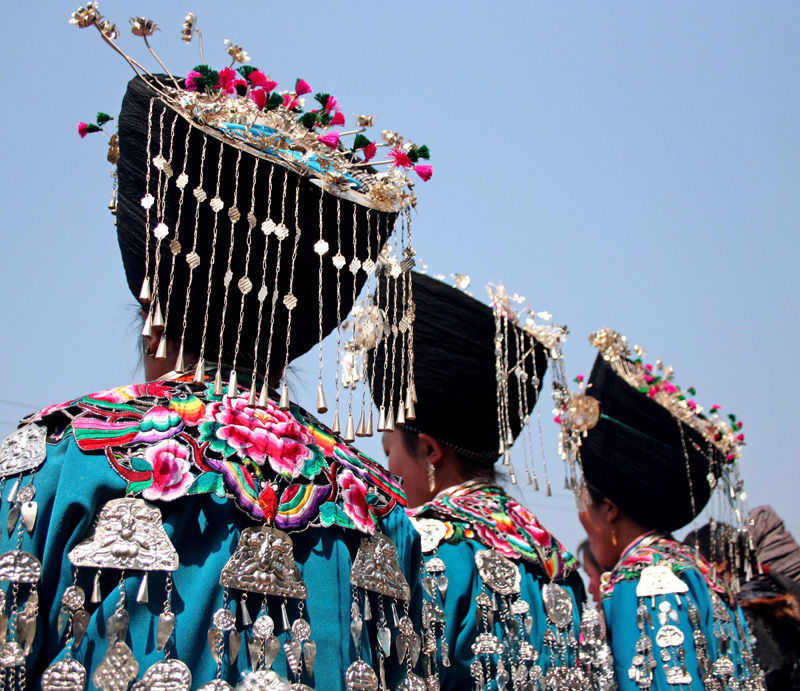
column 240, row 109
column 527, row 328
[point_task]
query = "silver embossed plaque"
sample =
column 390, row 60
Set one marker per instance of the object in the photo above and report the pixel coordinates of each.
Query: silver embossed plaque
column 64, row 675
column 264, row 563
column 117, row 669
column 166, row 675
column 23, row 450
column 431, row 532
column 497, row 572
column 128, row 534
column 557, row 604
column 376, row 568
column 17, row 566
column 659, row 580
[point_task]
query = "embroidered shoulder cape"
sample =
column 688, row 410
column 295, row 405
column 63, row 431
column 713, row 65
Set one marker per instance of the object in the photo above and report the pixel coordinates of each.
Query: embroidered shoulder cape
column 490, row 516
column 663, row 550
column 168, row 439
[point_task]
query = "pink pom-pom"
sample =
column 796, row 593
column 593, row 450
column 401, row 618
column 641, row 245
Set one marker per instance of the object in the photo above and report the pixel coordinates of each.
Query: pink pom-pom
column 331, row 104
column 338, row 118
column 579, row 378
column 331, row 140
column 739, row 425
column 649, row 368
column 83, row 128
column 424, row 171
column 669, row 387
column 369, row 151
column 290, row 102
column 259, row 80
column 740, row 437
column 259, row 97
column 189, row 84
column 227, row 80
column 731, row 456
column 302, row 87
column 557, row 419
column 652, row 392
column 400, row 158
column 648, row 378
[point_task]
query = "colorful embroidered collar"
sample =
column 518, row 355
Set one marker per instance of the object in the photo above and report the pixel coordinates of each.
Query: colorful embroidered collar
column 487, row 514
column 169, row 439
column 661, row 549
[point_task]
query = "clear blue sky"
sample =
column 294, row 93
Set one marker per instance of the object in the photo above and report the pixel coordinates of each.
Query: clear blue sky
column 622, row 164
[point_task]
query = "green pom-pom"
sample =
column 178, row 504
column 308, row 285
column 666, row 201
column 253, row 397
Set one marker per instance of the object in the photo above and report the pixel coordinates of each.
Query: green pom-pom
column 308, row 120
column 275, row 100
column 324, row 118
column 360, row 142
column 413, row 154
column 424, row 152
column 103, row 118
column 643, row 389
column 692, row 391
column 246, row 71
column 208, row 78
column 322, row 99
column 681, row 398
column 92, row 128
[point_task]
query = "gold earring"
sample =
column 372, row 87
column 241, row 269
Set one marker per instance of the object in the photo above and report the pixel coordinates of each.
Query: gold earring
column 613, row 536
column 431, row 477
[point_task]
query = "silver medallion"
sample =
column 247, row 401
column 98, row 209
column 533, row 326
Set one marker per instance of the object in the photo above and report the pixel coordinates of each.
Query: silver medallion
column 659, row 580
column 264, row 563
column 677, row 676
column 73, row 598
column 116, row 670
column 669, row 637
column 431, row 532
column 264, row 626
column 376, row 568
column 224, row 619
column 723, row 667
column 23, row 450
column 486, row 644
column 361, row 677
column 216, row 685
column 263, row 680
column 557, row 604
column 166, row 675
column 11, row 655
column 64, row 675
column 128, row 534
column 412, row 683
column 17, row 566
column 499, row 573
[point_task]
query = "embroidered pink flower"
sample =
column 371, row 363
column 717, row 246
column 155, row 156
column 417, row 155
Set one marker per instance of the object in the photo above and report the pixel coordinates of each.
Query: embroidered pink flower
column 261, row 434
column 354, row 494
column 400, row 158
column 189, row 82
column 331, row 140
column 171, row 470
column 337, row 119
column 259, row 97
column 302, row 87
column 83, row 129
column 227, row 80
column 369, row 151
column 424, row 171
column 259, row 80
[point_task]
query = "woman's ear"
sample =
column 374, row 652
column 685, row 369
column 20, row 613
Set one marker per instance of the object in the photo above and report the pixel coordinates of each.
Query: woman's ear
column 428, row 448
column 607, row 511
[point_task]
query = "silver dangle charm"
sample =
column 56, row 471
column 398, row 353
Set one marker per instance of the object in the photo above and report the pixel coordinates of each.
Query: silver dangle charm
column 322, row 404
column 117, row 669
column 361, row 677
column 498, row 572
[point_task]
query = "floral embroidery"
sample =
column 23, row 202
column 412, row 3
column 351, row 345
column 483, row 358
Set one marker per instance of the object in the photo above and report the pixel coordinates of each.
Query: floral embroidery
column 262, row 434
column 171, row 466
column 169, row 439
column 489, row 515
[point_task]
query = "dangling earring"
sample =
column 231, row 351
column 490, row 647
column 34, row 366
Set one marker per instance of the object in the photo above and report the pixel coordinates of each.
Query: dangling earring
column 613, row 536
column 431, row 477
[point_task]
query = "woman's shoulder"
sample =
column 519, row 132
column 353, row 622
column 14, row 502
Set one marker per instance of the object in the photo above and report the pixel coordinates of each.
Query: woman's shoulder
column 489, row 516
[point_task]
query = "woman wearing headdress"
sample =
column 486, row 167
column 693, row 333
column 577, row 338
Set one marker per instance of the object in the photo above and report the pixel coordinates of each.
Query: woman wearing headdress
column 200, row 530
column 503, row 595
column 650, row 461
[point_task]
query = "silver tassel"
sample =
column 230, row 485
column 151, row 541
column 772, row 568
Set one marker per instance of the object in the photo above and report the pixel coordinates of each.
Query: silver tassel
column 349, row 432
column 251, row 401
column 284, row 402
column 142, row 595
column 285, row 617
column 322, row 404
column 389, row 420
column 411, row 411
column 145, row 294
column 147, row 329
column 97, row 595
column 246, row 620
column 336, row 428
column 158, row 318
column 218, row 390
column 180, row 364
column 382, row 420
column 263, row 397
column 369, row 432
column 401, row 414
column 361, row 430
column 161, row 351
column 233, row 386
column 200, row 370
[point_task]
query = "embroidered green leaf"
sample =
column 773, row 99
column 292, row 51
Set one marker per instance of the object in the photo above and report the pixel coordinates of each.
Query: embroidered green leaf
column 138, row 463
column 137, row 487
column 331, row 514
column 206, row 483
column 314, row 464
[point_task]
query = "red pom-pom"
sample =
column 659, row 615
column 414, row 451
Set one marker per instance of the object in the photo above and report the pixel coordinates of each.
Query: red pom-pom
column 338, row 118
column 290, row 102
column 227, row 80
column 331, row 140
column 400, row 158
column 259, row 97
column 83, row 128
column 302, row 87
column 369, row 151
column 259, row 80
